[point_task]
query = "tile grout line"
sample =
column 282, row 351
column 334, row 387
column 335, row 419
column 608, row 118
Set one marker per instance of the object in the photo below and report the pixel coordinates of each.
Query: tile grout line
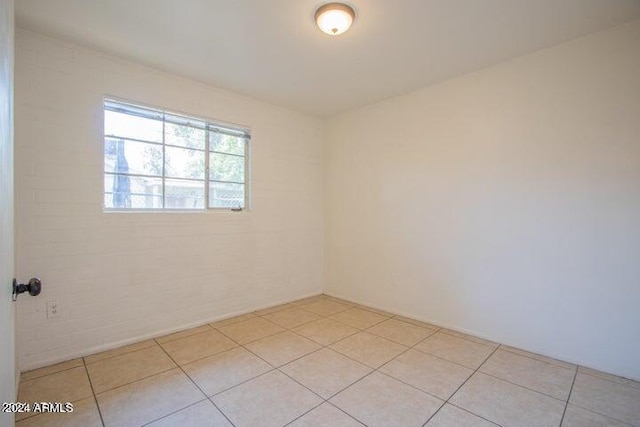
column 319, row 343
column 179, row 332
column 197, row 386
column 328, row 346
column 610, row 380
column 272, row 370
column 538, row 360
column 258, row 339
column 295, row 307
column 468, row 337
column 485, row 373
column 608, row 417
column 137, row 380
column 303, row 414
column 93, row 392
column 361, row 329
column 522, row 386
column 345, row 412
column 575, row 375
column 405, row 383
column 243, row 382
column 121, row 354
column 174, row 412
column 462, row 385
column 475, row 415
column 374, row 370
column 439, row 357
column 277, row 368
column 322, row 346
column 50, row 373
column 438, row 328
column 285, row 374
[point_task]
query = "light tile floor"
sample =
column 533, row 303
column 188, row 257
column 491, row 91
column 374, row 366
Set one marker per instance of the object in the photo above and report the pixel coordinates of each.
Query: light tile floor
column 326, row 362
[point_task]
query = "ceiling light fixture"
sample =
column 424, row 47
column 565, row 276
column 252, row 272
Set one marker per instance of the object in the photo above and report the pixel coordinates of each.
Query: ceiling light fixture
column 335, row 18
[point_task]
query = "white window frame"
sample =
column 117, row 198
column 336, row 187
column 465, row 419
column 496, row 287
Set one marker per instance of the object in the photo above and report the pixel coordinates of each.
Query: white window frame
column 219, row 126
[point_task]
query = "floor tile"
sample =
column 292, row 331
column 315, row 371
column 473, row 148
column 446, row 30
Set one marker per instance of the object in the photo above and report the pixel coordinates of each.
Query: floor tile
column 250, row 330
column 400, row 332
column 65, row 386
column 336, row 299
column 378, row 400
column 85, row 414
column 202, row 414
column 272, row 399
column 608, row 398
column 458, row 350
column 417, row 322
column 450, row 416
column 428, row 373
column 124, row 369
column 547, row 378
column 51, row 369
column 326, row 372
column 358, row 318
column 326, row 307
column 371, row 350
column 282, row 348
column 536, row 356
column 182, row 334
column 610, row 377
column 274, row 309
column 325, row 415
column 120, row 350
column 578, row 417
column 306, row 301
column 217, row 373
column 326, row 331
column 194, row 347
column 147, row 400
column 140, row 383
column 292, row 317
column 374, row 310
column 232, row 320
column 508, row 404
column 468, row 337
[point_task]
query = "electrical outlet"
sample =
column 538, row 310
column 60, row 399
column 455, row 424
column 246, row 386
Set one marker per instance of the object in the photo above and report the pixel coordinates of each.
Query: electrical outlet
column 53, row 308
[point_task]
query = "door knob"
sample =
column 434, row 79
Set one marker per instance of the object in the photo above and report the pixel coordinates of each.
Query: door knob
column 33, row 287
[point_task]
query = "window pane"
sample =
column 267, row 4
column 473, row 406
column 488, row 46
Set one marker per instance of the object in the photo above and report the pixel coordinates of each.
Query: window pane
column 184, row 136
column 123, row 156
column 226, row 143
column 226, row 195
column 131, row 192
column 181, row 194
column 223, row 167
column 120, row 124
column 155, row 159
column 184, row 163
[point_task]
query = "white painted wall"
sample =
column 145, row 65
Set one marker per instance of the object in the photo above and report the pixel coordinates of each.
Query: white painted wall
column 8, row 375
column 122, row 277
column 505, row 202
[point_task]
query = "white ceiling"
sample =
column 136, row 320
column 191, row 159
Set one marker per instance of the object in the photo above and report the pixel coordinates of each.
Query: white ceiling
column 271, row 49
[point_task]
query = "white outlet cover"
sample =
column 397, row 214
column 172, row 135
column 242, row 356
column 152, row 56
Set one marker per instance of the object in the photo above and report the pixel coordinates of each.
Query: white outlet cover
column 53, row 308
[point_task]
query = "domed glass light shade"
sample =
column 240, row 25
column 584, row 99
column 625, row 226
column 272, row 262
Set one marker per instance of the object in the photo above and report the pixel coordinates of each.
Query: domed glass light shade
column 334, row 18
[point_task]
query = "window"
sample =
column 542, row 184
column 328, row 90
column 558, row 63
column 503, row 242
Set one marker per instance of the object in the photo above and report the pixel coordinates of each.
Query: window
column 155, row 159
